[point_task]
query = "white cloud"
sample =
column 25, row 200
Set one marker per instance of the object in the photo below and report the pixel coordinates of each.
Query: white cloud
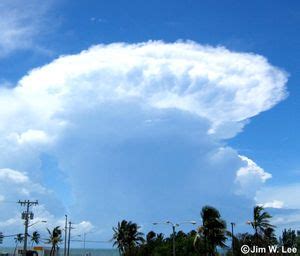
column 226, row 88
column 16, row 183
column 13, row 176
column 116, row 164
column 284, row 193
column 31, row 137
column 250, row 177
column 285, row 199
column 83, row 227
column 290, row 220
column 273, row 204
column 20, row 23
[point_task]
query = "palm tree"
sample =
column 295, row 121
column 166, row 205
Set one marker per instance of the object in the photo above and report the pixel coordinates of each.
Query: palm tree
column 35, row 238
column 18, row 240
column 261, row 222
column 150, row 237
column 269, row 237
column 54, row 239
column 213, row 230
column 126, row 237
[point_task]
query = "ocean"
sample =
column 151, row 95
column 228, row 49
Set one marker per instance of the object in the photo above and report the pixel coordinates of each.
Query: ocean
column 93, row 252
column 75, row 252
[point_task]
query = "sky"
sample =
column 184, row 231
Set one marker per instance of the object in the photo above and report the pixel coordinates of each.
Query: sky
column 148, row 111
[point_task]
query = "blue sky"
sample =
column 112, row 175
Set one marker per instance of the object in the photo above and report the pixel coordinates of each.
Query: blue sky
column 125, row 151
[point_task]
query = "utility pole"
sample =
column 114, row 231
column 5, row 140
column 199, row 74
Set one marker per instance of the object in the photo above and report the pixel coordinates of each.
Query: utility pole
column 232, row 237
column 66, row 233
column 26, row 215
column 174, row 234
column 69, row 238
column 84, row 236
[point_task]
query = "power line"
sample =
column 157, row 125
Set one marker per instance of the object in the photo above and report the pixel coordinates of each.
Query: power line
column 90, row 241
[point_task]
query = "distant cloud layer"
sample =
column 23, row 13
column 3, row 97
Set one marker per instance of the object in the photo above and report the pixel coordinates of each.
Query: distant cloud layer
column 137, row 130
column 20, row 23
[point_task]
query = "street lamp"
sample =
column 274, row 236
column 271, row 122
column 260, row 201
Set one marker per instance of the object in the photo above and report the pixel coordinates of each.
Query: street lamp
column 40, row 221
column 66, row 234
column 84, row 238
column 174, row 225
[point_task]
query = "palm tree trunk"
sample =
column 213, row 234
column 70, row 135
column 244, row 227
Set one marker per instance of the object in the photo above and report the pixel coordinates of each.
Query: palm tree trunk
column 51, row 252
column 15, row 249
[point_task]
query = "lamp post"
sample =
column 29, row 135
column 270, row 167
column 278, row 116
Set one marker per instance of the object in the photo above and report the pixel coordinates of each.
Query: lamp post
column 66, row 234
column 174, row 225
column 40, row 221
column 84, row 238
column 69, row 238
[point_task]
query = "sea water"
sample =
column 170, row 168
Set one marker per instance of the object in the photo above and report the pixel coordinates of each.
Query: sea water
column 92, row 252
column 75, row 252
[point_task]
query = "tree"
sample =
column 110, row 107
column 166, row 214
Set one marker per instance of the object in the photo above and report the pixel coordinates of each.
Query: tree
column 18, row 240
column 150, row 237
column 289, row 238
column 240, row 239
column 213, row 230
column 127, row 237
column 269, row 237
column 54, row 239
column 260, row 223
column 157, row 245
column 35, row 238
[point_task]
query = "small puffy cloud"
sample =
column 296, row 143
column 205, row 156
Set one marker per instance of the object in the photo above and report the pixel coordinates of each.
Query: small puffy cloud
column 273, row 204
column 285, row 199
column 15, row 183
column 284, row 193
column 83, row 227
column 9, row 175
column 250, row 177
column 31, row 137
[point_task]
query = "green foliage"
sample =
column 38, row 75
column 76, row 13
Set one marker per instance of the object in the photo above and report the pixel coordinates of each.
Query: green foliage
column 18, row 240
column 289, row 238
column 261, row 222
column 269, row 237
column 35, row 238
column 54, row 239
column 159, row 246
column 207, row 240
column 213, row 230
column 127, row 237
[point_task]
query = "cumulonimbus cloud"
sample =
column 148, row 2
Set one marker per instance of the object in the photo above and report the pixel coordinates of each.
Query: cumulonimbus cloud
column 225, row 87
column 139, row 113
